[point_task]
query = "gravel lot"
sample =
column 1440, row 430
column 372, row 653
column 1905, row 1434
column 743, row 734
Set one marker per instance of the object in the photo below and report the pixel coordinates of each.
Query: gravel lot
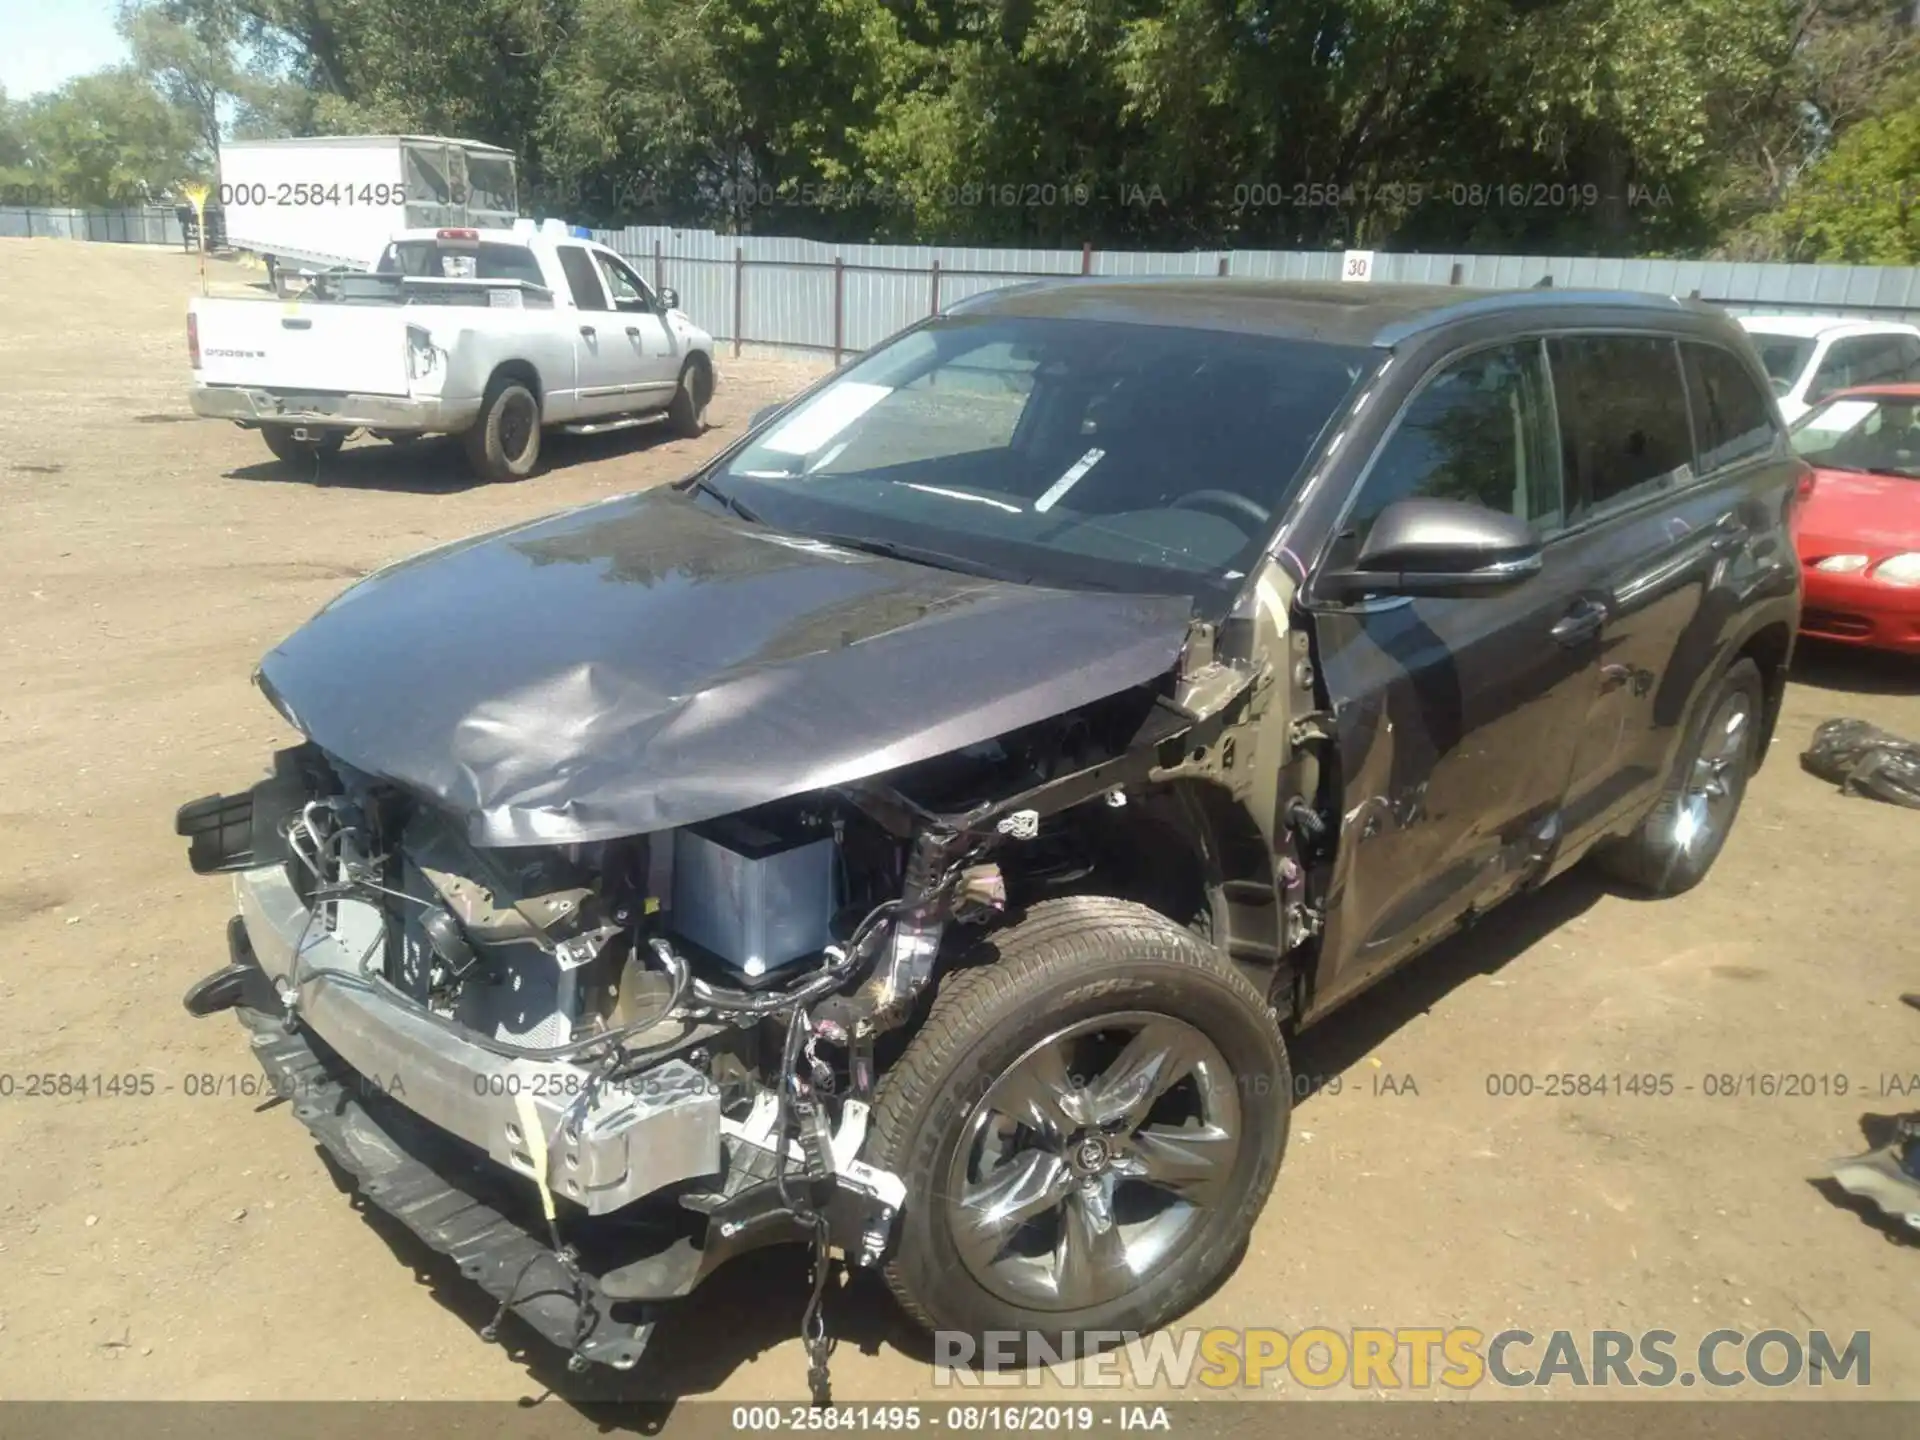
column 195, row 1247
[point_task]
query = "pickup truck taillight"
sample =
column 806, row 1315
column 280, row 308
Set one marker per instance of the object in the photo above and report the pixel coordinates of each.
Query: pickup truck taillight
column 193, row 340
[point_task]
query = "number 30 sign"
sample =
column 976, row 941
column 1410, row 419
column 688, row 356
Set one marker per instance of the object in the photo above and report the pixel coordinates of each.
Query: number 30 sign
column 1357, row 265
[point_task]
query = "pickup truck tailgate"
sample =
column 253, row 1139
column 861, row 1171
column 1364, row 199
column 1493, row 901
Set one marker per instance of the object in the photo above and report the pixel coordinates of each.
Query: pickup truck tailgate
column 297, row 346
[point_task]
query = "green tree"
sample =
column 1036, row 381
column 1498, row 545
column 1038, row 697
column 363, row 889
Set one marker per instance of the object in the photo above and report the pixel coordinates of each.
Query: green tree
column 192, row 52
column 1860, row 205
column 639, row 123
column 108, row 139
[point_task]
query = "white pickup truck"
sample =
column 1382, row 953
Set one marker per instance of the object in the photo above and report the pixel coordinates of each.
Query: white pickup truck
column 490, row 335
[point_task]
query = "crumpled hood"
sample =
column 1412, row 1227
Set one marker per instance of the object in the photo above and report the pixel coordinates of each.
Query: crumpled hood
column 645, row 663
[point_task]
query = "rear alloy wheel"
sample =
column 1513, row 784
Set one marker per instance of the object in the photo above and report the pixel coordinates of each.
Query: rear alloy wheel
column 1087, row 1124
column 504, row 442
column 1676, row 844
column 280, row 440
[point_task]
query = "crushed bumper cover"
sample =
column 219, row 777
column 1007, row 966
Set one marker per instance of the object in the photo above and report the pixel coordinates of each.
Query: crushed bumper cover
column 335, row 411
column 621, row 1143
column 450, row 1199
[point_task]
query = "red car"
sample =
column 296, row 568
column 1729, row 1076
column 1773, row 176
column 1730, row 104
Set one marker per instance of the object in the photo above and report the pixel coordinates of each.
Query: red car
column 1858, row 526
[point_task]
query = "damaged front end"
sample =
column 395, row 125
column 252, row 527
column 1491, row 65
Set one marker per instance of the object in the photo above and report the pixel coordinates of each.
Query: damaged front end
column 592, row 1072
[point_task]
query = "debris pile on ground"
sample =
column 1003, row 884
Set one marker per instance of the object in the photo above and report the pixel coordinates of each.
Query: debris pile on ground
column 1863, row 759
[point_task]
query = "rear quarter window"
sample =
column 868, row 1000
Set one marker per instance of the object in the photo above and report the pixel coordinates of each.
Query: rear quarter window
column 1731, row 418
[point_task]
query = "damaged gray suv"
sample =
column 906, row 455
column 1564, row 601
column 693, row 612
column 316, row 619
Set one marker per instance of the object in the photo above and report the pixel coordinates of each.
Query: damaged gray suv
column 917, row 833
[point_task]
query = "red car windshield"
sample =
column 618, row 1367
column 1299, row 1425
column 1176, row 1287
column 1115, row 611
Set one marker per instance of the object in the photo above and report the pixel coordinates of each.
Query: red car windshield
column 1862, row 432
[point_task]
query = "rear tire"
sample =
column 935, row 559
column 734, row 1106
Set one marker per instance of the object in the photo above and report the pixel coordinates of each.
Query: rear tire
column 687, row 415
column 1674, row 846
column 280, row 441
column 1125, row 1203
column 504, row 442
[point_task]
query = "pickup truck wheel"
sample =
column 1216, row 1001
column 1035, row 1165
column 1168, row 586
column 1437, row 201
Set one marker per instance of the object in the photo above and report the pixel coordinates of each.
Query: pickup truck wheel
column 280, row 441
column 1087, row 1126
column 687, row 415
column 1676, row 844
column 504, row 443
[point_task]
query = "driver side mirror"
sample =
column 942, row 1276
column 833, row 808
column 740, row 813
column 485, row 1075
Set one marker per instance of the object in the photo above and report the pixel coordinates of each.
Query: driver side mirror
column 1446, row 548
column 669, row 299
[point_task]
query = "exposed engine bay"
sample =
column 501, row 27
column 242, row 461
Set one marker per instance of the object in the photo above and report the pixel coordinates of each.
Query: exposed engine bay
column 675, row 1035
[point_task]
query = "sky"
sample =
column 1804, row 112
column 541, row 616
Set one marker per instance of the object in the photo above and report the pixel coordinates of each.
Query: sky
column 45, row 43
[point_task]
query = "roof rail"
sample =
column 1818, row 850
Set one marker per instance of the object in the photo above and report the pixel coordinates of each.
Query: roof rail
column 1531, row 299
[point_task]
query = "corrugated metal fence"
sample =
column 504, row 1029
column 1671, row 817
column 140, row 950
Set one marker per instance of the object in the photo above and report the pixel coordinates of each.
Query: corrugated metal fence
column 816, row 296
column 146, row 225
column 835, row 299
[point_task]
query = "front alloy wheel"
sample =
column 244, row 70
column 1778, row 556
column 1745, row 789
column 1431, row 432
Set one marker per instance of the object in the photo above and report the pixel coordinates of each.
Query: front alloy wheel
column 1092, row 1159
column 1088, row 1122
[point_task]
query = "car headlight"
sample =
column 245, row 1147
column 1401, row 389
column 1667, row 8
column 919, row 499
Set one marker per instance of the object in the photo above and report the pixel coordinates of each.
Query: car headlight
column 1900, row 570
column 1842, row 564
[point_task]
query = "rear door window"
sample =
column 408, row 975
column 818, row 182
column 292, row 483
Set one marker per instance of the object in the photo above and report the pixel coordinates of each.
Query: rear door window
column 1731, row 419
column 1477, row 430
column 582, row 278
column 1624, row 431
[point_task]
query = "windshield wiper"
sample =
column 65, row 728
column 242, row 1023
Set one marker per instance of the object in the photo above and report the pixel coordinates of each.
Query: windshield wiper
column 938, row 559
column 708, row 488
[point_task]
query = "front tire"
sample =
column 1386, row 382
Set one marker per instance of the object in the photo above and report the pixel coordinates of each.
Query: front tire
column 1087, row 1127
column 687, row 414
column 1674, row 846
column 504, row 442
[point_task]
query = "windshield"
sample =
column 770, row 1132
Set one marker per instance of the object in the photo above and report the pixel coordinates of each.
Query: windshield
column 1065, row 452
column 1783, row 357
column 1878, row 433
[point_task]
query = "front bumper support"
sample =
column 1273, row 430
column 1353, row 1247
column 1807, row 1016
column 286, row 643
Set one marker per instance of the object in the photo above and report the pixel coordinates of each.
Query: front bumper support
column 621, row 1142
column 447, row 1197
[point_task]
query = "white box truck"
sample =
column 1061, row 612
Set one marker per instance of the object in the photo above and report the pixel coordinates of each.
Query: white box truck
column 330, row 201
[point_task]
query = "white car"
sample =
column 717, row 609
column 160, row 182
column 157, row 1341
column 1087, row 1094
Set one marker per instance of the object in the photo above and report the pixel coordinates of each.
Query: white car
column 487, row 334
column 1808, row 357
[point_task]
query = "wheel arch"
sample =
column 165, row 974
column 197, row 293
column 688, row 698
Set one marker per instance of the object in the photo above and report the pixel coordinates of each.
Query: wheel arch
column 1771, row 649
column 522, row 370
column 1199, row 858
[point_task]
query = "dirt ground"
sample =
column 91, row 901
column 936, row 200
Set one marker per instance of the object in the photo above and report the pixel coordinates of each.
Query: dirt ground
column 176, row 1246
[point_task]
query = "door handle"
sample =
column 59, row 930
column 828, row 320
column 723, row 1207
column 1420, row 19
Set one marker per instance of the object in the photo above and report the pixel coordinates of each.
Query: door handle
column 1729, row 535
column 587, row 330
column 1580, row 624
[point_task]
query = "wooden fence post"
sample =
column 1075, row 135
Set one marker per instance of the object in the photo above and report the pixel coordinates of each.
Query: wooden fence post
column 933, row 298
column 659, row 268
column 1086, row 257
